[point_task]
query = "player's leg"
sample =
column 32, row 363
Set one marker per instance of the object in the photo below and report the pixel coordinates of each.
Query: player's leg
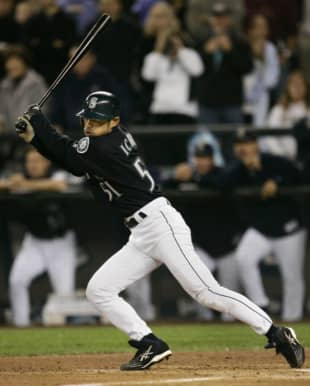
column 204, row 313
column 140, row 297
column 252, row 248
column 116, row 274
column 177, row 252
column 60, row 258
column 290, row 253
column 228, row 276
column 26, row 266
column 121, row 270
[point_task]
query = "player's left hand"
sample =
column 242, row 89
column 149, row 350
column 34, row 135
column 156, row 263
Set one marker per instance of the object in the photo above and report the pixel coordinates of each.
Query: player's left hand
column 269, row 189
column 24, row 128
column 23, row 125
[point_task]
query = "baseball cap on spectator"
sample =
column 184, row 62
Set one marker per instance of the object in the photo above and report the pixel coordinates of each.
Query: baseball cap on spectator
column 220, row 9
column 244, row 136
column 204, row 150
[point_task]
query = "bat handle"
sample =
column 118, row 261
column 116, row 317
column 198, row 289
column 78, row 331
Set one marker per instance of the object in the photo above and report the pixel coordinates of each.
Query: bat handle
column 20, row 127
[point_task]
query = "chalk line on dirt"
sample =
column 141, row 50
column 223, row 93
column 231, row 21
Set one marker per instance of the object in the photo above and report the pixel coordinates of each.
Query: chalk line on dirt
column 155, row 382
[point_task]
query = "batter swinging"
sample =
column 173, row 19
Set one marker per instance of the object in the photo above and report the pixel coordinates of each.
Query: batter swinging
column 116, row 174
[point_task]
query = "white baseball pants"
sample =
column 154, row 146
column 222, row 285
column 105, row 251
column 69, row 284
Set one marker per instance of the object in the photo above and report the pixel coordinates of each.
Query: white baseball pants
column 289, row 252
column 164, row 238
column 228, row 276
column 56, row 256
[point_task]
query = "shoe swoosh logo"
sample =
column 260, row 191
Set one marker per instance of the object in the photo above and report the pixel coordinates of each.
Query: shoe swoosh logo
column 290, row 338
column 146, row 354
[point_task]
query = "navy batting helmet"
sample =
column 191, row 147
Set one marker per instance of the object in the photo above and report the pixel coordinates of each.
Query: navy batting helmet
column 101, row 106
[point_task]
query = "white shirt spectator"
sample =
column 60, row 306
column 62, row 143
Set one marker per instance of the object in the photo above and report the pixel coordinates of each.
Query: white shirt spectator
column 172, row 79
column 284, row 118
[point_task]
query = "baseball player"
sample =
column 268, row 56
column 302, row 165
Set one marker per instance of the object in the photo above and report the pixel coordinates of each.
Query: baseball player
column 273, row 225
column 108, row 156
column 48, row 244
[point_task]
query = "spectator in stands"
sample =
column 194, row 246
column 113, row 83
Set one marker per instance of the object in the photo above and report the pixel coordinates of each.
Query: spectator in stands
column 273, row 225
column 115, row 50
column 290, row 60
column 203, row 137
column 294, row 105
column 174, row 69
column 198, row 16
column 161, row 21
column 215, row 241
column 23, row 13
column 227, row 58
column 7, row 23
column 265, row 75
column 86, row 77
column 20, row 87
column 82, row 11
column 141, row 8
column 50, row 34
column 48, row 244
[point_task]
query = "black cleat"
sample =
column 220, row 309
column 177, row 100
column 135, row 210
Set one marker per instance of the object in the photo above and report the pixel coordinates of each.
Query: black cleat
column 151, row 350
column 285, row 342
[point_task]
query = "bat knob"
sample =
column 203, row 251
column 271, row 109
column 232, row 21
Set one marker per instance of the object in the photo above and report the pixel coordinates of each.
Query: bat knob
column 20, row 126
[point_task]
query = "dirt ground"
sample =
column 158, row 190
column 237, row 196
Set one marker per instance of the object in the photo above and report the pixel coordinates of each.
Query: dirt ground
column 246, row 368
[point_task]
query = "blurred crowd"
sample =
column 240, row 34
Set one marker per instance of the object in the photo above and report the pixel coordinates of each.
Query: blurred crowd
column 205, row 62
column 176, row 62
column 170, row 62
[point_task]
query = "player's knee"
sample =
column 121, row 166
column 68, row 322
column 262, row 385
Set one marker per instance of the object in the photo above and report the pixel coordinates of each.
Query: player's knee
column 210, row 298
column 98, row 293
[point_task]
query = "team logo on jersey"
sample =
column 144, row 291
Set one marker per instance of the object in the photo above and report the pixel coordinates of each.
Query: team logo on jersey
column 82, row 145
column 93, row 102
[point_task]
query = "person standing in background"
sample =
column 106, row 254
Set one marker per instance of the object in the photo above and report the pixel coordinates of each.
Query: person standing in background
column 48, row 245
column 49, row 35
column 8, row 30
column 160, row 22
column 293, row 106
column 174, row 69
column 265, row 75
column 86, row 76
column 273, row 224
column 84, row 12
column 227, row 58
column 115, row 51
column 22, row 85
column 198, row 16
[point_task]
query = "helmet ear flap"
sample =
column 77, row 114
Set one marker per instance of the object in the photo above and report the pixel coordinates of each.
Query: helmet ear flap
column 82, row 122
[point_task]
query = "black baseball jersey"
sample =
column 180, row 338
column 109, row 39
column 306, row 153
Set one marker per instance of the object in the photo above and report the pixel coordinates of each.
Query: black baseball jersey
column 44, row 221
column 114, row 171
column 277, row 216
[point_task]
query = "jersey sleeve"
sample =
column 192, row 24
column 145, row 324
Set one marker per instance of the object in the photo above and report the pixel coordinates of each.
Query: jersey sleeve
column 77, row 157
